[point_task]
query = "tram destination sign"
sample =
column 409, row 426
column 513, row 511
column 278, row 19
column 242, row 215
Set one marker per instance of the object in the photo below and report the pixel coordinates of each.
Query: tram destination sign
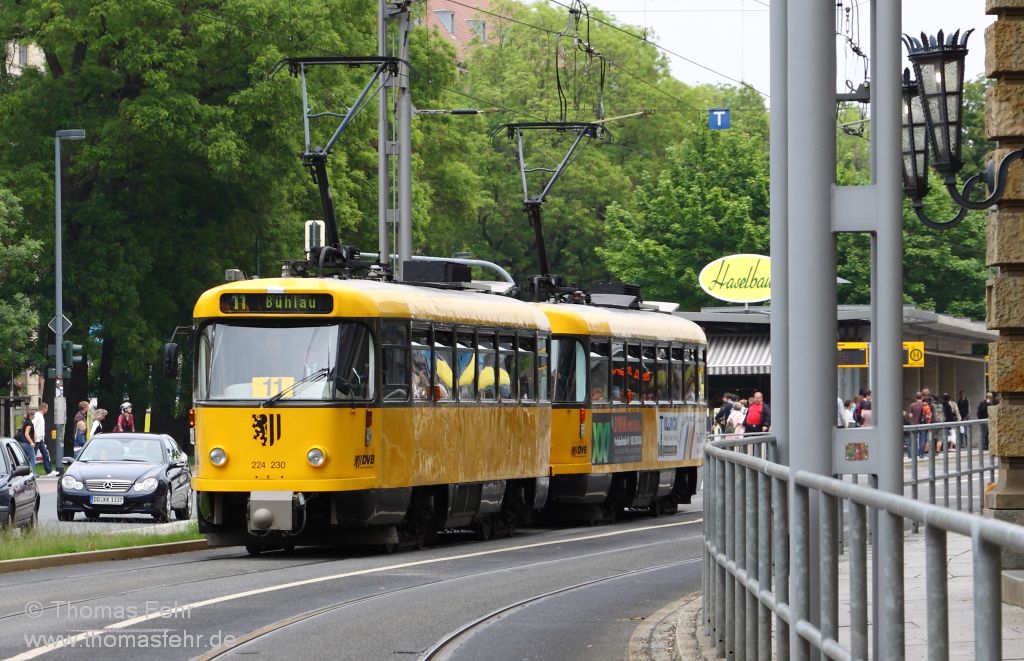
column 280, row 303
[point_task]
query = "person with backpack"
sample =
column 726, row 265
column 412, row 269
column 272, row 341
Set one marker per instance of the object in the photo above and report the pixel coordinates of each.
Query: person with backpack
column 723, row 413
column 921, row 414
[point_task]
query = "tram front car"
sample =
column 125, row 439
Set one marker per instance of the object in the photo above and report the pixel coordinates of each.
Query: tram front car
column 311, row 426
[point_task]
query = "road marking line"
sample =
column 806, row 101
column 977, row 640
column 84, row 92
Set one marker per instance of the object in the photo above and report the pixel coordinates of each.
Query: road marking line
column 124, row 624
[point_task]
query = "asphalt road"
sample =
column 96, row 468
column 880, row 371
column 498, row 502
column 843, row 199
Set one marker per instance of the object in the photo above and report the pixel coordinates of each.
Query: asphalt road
column 548, row 593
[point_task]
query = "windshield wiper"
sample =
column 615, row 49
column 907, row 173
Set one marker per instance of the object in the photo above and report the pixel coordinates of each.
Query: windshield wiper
column 273, row 399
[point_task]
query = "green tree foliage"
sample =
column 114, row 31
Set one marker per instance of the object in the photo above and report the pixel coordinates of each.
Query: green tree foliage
column 710, row 200
column 19, row 271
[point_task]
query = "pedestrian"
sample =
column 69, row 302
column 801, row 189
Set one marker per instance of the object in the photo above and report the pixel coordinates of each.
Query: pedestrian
column 865, row 413
column 920, row 414
column 125, row 421
column 983, row 415
column 759, row 415
column 79, row 442
column 39, row 422
column 951, row 412
column 847, row 414
column 26, row 437
column 734, row 423
column 83, row 413
column 865, row 396
column 97, row 422
column 723, row 413
column 964, row 405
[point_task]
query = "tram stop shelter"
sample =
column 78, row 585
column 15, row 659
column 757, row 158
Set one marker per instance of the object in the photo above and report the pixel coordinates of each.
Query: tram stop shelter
column 739, row 352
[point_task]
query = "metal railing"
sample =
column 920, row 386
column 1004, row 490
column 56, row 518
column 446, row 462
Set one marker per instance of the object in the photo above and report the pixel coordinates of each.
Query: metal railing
column 748, row 579
column 963, row 456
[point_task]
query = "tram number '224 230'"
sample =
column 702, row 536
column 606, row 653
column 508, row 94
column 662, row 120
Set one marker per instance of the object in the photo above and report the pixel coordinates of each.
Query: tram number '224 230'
column 273, row 464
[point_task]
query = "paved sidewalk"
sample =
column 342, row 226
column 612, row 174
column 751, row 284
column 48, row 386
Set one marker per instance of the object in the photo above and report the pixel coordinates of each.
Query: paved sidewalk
column 692, row 644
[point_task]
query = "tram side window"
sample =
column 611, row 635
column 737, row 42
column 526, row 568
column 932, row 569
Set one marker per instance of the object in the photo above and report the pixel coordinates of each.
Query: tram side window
column 702, row 365
column 395, row 341
column 526, row 367
column 618, row 372
column 422, row 374
column 570, row 370
column 649, row 372
column 662, row 379
column 599, row 366
column 677, row 369
column 507, row 379
column 465, row 366
column 634, row 373
column 690, row 376
column 543, row 367
column 485, row 362
column 444, row 362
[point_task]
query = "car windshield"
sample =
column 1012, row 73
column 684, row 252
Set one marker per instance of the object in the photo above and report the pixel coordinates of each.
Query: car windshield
column 112, row 448
column 317, row 363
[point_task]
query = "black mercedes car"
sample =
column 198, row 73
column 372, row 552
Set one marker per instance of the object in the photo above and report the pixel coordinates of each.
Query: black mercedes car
column 19, row 492
column 127, row 473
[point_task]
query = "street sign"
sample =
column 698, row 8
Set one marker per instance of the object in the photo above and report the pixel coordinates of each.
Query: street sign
column 718, row 118
column 53, row 324
column 913, row 354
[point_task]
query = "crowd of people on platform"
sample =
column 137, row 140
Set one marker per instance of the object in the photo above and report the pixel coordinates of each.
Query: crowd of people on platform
column 737, row 417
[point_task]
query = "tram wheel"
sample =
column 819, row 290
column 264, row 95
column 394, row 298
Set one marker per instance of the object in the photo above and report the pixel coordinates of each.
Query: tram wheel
column 252, row 549
column 484, row 528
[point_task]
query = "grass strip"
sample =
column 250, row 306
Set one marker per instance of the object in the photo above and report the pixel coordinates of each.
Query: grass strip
column 47, row 541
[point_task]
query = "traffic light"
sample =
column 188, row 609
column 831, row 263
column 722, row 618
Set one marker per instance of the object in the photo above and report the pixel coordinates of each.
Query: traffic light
column 72, row 354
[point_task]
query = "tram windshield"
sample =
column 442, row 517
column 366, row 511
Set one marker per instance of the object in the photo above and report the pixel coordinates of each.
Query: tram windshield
column 318, row 363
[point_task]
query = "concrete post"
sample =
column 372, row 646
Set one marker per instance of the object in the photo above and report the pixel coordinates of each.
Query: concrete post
column 383, row 131
column 887, row 313
column 811, row 140
column 1004, row 122
column 404, row 143
column 779, row 234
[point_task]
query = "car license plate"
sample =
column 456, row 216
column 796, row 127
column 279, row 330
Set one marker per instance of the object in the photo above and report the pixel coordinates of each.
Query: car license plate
column 107, row 500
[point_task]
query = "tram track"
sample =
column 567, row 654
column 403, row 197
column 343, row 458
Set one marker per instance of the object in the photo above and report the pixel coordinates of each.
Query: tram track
column 281, row 625
column 452, row 641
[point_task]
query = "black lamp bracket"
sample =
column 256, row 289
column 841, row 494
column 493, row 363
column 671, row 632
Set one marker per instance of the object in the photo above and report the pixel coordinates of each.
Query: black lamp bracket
column 998, row 186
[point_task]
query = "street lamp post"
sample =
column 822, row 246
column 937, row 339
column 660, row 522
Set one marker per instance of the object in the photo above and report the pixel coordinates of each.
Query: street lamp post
column 59, row 403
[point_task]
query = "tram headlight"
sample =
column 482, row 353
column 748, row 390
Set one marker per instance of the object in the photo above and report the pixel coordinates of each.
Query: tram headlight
column 218, row 457
column 316, row 457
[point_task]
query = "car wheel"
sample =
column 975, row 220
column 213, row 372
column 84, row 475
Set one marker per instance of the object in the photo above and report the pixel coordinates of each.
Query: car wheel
column 65, row 516
column 184, row 513
column 8, row 520
column 164, row 515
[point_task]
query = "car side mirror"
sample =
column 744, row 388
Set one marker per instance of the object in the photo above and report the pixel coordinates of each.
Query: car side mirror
column 179, row 463
column 21, row 471
column 67, row 461
column 171, row 360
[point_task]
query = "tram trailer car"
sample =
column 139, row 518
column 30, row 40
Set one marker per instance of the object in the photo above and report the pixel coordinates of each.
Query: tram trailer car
column 357, row 411
column 629, row 412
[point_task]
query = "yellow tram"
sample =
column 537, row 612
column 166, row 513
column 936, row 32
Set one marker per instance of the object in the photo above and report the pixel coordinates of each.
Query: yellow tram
column 360, row 411
column 629, row 410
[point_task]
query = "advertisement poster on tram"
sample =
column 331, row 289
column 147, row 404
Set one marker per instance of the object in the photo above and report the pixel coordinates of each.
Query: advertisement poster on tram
column 618, row 438
column 679, row 436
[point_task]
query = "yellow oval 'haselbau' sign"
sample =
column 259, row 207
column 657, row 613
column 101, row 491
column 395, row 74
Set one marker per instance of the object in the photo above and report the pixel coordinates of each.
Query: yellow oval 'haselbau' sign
column 738, row 278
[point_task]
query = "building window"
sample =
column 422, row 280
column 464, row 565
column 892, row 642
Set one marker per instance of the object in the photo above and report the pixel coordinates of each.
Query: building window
column 447, row 19
column 478, row 28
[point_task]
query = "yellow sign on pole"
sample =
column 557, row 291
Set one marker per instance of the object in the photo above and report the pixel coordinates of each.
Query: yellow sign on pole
column 913, row 354
column 858, row 354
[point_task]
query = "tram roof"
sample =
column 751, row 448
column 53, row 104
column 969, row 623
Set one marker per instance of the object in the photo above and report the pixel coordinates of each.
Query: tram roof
column 371, row 298
column 573, row 319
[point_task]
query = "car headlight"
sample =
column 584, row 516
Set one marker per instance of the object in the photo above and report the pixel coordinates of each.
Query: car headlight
column 148, row 484
column 218, row 457
column 68, row 482
column 316, row 457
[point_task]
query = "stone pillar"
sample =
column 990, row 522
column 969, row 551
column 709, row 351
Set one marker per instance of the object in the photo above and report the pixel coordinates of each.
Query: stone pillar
column 1004, row 121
